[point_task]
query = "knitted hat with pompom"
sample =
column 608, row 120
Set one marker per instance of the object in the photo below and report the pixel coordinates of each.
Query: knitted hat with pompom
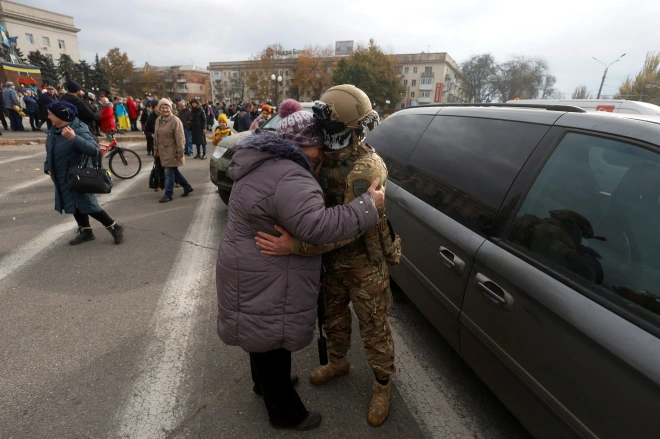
column 298, row 125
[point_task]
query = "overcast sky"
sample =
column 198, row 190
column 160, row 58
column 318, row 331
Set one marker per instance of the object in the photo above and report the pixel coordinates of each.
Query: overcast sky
column 566, row 33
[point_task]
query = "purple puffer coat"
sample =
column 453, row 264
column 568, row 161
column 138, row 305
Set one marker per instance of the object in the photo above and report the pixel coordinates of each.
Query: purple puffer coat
column 269, row 302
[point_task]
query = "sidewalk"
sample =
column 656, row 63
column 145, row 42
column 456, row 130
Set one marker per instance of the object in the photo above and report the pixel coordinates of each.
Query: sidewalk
column 34, row 138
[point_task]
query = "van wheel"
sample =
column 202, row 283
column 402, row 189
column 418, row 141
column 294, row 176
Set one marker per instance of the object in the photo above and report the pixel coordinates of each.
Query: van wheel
column 224, row 195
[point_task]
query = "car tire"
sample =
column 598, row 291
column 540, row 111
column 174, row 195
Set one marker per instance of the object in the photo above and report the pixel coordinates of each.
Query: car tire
column 224, row 196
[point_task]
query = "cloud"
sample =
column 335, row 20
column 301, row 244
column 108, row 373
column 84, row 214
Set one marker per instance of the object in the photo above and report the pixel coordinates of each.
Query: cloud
column 565, row 32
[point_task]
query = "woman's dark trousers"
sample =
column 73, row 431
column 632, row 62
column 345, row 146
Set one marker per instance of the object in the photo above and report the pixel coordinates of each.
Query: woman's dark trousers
column 271, row 372
column 102, row 217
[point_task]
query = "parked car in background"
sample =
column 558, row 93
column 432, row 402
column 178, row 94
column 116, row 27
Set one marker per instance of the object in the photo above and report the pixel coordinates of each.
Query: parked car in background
column 531, row 241
column 607, row 105
column 224, row 152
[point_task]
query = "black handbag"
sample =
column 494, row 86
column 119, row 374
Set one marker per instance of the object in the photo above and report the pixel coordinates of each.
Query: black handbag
column 92, row 180
column 157, row 176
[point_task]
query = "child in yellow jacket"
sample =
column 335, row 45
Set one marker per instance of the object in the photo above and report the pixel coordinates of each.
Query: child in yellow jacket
column 222, row 131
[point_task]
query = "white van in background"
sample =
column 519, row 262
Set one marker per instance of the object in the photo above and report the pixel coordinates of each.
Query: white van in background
column 609, row 105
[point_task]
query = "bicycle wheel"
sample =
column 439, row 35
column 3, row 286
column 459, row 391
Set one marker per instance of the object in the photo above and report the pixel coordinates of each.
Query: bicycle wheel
column 125, row 163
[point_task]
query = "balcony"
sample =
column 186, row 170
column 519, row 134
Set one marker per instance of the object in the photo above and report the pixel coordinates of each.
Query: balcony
column 426, row 100
column 426, row 86
column 180, row 79
column 428, row 75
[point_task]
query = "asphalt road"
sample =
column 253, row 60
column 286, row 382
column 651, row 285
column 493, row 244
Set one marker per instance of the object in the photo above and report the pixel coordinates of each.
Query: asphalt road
column 105, row 341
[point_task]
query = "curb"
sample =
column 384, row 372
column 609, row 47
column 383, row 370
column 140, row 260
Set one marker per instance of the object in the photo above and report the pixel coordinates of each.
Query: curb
column 42, row 140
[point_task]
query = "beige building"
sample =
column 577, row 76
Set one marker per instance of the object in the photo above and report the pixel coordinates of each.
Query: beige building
column 188, row 81
column 49, row 32
column 428, row 77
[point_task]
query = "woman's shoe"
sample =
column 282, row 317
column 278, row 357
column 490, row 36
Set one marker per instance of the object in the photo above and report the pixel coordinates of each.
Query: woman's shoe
column 197, row 156
column 83, row 234
column 312, row 421
column 204, row 157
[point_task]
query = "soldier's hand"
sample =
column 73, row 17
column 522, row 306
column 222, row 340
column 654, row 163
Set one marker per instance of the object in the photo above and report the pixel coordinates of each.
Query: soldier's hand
column 379, row 195
column 273, row 246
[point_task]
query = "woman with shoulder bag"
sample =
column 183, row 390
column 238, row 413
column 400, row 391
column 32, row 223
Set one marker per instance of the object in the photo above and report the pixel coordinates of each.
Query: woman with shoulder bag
column 67, row 144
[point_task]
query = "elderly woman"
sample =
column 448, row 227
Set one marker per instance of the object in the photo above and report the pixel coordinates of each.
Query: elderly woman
column 267, row 304
column 266, row 114
column 68, row 142
column 169, row 144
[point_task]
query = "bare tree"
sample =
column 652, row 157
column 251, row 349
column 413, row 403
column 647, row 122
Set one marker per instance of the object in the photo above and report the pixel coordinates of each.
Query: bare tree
column 581, row 92
column 548, row 90
column 521, row 77
column 477, row 79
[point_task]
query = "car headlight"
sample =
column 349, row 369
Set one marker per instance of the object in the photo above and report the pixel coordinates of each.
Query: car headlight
column 219, row 150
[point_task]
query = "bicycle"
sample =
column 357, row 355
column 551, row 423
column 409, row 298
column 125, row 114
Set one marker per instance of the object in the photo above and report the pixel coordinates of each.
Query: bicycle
column 129, row 163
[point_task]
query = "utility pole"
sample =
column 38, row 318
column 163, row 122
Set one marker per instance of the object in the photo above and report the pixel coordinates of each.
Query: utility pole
column 607, row 66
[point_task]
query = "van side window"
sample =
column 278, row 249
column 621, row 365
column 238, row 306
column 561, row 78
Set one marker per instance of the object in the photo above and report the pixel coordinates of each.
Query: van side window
column 594, row 213
column 464, row 166
column 395, row 139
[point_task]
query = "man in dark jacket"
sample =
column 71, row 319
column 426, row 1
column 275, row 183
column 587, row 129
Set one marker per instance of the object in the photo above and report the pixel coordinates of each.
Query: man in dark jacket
column 31, row 109
column 85, row 113
column 184, row 115
column 44, row 100
column 243, row 119
column 254, row 111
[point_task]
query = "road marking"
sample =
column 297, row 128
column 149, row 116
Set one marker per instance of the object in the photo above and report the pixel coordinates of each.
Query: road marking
column 27, row 184
column 23, row 157
column 428, row 404
column 156, row 403
column 24, row 254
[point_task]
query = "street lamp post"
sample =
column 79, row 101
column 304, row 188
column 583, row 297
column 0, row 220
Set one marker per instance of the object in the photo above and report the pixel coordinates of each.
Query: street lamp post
column 607, row 66
column 278, row 80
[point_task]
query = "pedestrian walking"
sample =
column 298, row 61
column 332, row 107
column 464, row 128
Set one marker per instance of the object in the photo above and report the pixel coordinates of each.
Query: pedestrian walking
column 198, row 128
column 13, row 106
column 133, row 112
column 274, row 183
column 122, row 115
column 169, row 141
column 32, row 110
column 355, row 271
column 243, row 120
column 68, row 141
column 108, row 126
column 44, row 100
column 185, row 117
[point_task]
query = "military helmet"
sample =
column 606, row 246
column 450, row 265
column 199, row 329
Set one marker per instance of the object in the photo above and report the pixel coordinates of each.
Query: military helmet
column 344, row 106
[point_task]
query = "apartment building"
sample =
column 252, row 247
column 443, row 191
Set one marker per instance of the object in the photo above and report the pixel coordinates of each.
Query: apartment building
column 51, row 33
column 429, row 78
column 187, row 81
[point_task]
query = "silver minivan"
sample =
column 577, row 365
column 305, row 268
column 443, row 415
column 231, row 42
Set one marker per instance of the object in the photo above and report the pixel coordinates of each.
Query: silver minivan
column 531, row 241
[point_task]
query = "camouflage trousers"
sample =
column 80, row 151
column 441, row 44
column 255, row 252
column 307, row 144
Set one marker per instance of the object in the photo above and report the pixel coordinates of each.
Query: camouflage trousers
column 367, row 286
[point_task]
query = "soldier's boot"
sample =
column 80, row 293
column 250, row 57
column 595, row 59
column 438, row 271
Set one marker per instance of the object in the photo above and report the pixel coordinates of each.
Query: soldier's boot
column 380, row 404
column 336, row 367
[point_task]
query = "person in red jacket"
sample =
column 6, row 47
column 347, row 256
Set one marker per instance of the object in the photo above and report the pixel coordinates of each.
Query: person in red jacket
column 132, row 108
column 108, row 126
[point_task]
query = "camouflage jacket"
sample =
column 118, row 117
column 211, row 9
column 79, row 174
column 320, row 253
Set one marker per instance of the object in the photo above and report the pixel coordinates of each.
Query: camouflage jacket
column 345, row 175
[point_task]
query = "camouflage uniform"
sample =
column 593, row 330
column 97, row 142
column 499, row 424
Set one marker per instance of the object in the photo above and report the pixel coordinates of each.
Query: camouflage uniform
column 355, row 269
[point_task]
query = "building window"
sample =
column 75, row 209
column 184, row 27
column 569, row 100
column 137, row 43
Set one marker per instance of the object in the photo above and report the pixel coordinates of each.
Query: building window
column 412, row 94
column 425, row 94
column 414, row 69
column 29, row 38
column 46, row 41
column 428, row 69
column 287, row 82
column 201, row 88
column 405, row 82
column 398, row 69
column 414, row 82
column 406, row 70
column 61, row 45
column 286, row 73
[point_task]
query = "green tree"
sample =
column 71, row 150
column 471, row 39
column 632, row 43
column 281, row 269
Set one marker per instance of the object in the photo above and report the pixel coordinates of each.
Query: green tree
column 22, row 59
column 373, row 71
column 48, row 69
column 581, row 92
column 66, row 68
column 85, row 74
column 99, row 78
column 645, row 86
column 478, row 75
column 117, row 67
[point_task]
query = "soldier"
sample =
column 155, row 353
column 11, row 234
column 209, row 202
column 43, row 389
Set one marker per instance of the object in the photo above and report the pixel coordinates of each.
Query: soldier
column 355, row 270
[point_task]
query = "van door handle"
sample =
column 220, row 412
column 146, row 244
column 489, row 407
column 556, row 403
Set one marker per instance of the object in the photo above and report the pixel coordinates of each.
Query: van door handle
column 493, row 292
column 452, row 261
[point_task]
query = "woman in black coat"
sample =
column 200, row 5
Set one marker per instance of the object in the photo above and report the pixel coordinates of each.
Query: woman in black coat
column 198, row 128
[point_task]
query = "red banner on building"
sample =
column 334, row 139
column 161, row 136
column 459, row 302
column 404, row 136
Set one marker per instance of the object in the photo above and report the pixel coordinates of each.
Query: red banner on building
column 438, row 92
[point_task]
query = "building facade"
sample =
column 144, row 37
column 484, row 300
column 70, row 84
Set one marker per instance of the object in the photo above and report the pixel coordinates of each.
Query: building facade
column 428, row 77
column 51, row 33
column 187, row 81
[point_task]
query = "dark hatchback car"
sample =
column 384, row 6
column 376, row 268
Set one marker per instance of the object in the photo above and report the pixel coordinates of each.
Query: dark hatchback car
column 531, row 241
